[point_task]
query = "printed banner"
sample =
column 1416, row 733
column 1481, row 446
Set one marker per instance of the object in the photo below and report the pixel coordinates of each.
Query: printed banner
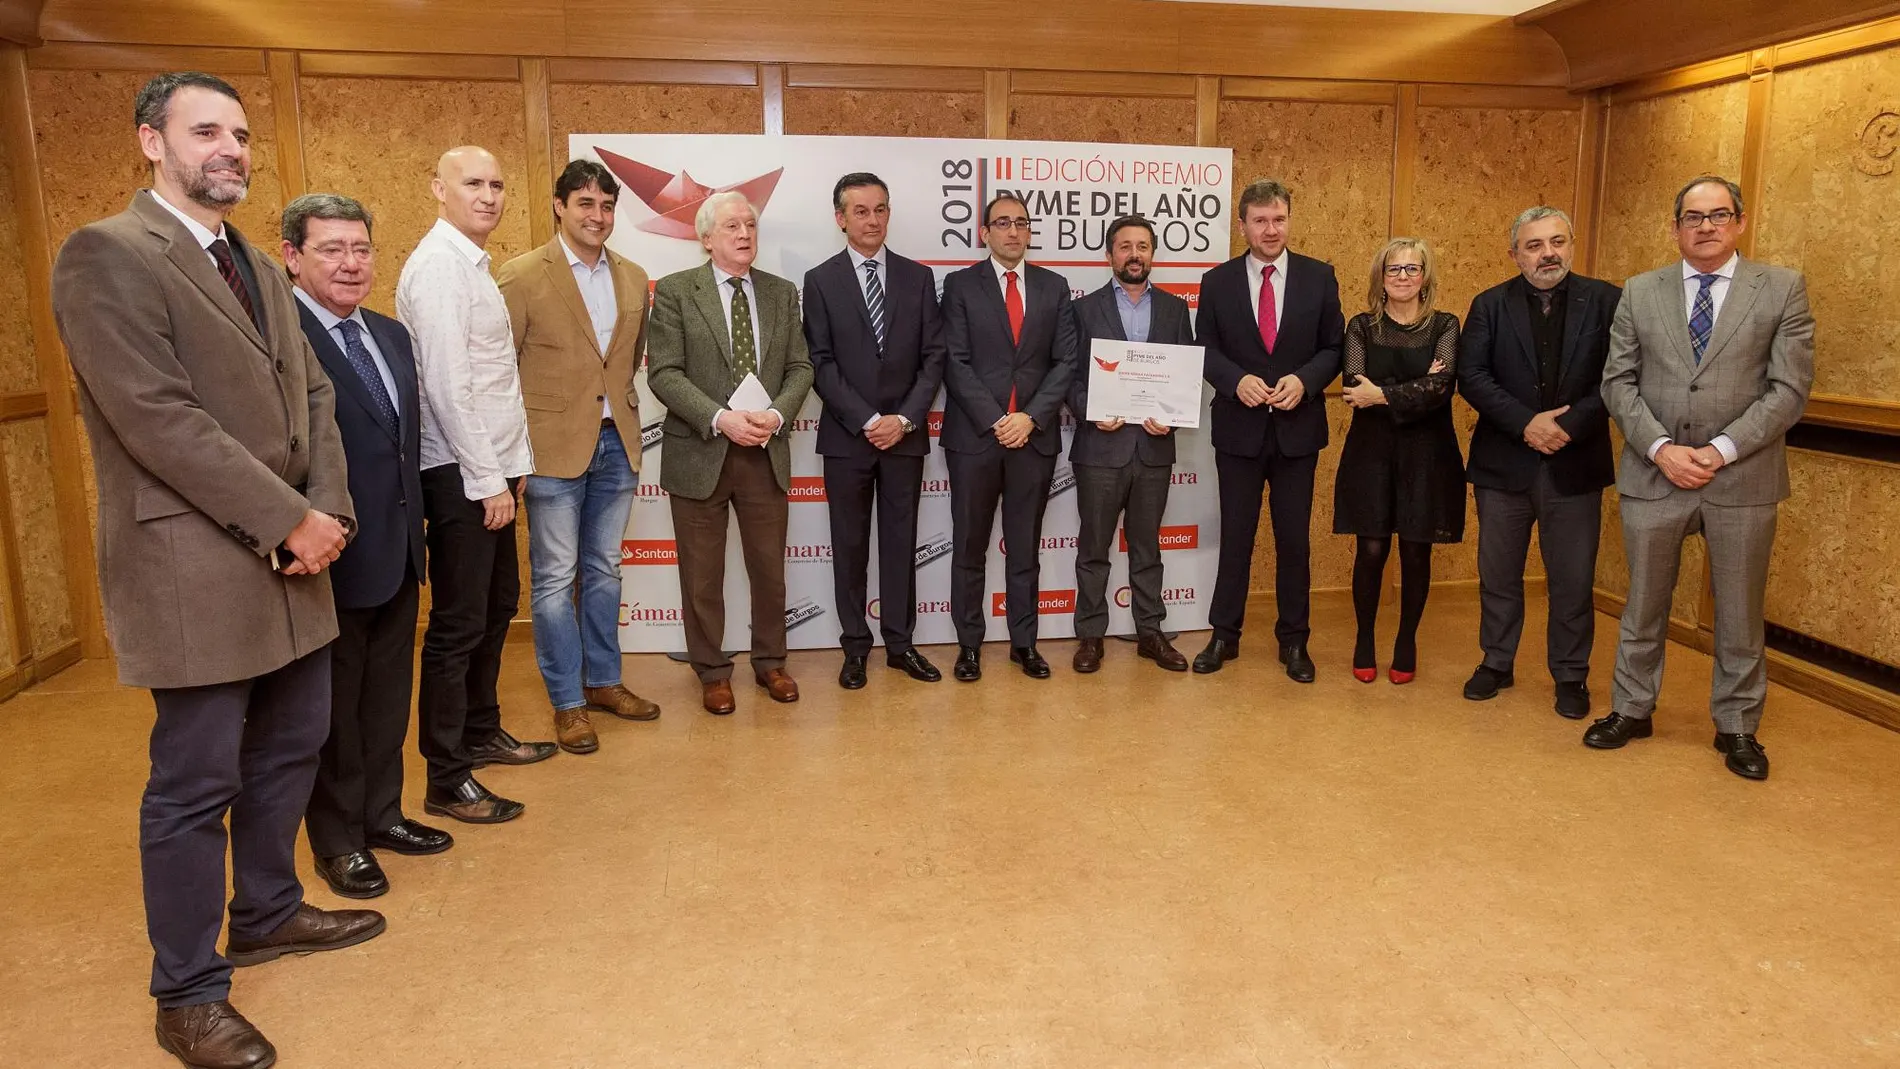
column 938, row 189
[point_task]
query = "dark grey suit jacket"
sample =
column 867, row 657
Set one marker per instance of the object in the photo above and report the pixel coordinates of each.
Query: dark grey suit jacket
column 1098, row 315
column 985, row 364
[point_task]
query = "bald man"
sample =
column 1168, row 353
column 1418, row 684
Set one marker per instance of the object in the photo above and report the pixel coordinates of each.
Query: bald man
column 474, row 455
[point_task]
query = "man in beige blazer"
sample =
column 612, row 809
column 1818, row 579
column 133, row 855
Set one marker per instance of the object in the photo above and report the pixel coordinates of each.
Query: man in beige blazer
column 222, row 499
column 1710, row 363
column 714, row 325
column 578, row 311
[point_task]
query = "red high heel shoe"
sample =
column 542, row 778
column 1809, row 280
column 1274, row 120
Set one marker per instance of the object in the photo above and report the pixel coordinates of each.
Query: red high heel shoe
column 1398, row 677
column 1366, row 675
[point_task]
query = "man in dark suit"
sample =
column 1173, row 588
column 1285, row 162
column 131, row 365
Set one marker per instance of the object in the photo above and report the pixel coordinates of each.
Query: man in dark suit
column 1011, row 338
column 357, row 801
column 1271, row 323
column 1122, row 472
column 712, row 327
column 222, row 503
column 1531, row 362
column 876, row 341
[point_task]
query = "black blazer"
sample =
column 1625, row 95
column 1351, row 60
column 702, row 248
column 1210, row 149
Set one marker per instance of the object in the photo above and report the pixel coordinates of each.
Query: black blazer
column 1098, row 315
column 1497, row 373
column 1309, row 343
column 853, row 379
column 984, row 363
column 385, row 469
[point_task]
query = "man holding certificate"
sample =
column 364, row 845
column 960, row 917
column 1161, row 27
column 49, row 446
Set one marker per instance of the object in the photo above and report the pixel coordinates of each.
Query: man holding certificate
column 1122, row 465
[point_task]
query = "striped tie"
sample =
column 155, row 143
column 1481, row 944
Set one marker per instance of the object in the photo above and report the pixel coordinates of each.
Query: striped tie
column 1702, row 316
column 220, row 251
column 874, row 301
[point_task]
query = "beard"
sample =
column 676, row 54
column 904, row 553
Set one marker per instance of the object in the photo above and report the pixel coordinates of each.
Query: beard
column 210, row 184
column 1131, row 273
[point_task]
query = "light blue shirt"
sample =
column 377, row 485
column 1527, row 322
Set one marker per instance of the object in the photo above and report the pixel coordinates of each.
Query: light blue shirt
column 1137, row 315
column 330, row 320
column 1718, row 293
column 603, row 308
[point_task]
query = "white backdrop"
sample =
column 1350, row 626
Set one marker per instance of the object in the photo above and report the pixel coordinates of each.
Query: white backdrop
column 938, row 188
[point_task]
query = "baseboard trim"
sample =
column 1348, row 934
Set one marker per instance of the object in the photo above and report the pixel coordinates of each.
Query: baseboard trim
column 36, row 669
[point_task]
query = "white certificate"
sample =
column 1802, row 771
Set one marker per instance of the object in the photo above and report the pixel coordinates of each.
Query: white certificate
column 1135, row 381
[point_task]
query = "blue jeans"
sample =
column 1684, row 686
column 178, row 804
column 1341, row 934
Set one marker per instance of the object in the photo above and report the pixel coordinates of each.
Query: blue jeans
column 574, row 531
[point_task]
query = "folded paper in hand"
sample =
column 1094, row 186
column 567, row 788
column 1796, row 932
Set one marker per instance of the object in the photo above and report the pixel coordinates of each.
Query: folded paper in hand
column 749, row 395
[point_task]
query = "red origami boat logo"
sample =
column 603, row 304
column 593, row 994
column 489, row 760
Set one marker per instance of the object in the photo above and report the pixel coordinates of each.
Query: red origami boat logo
column 675, row 198
column 1106, row 365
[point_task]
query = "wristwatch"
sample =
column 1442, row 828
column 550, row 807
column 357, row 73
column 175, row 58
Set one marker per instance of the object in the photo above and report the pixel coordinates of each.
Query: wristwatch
column 904, row 422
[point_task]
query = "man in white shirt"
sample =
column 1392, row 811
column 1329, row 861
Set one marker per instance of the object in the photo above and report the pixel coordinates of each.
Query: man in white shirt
column 474, row 454
column 579, row 315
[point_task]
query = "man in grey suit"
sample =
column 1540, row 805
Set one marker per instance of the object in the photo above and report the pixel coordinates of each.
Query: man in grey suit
column 223, row 500
column 1710, row 363
column 712, row 326
column 1122, row 472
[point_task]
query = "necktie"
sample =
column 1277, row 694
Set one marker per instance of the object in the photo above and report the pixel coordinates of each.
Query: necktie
column 1013, row 301
column 1543, row 300
column 874, row 301
column 745, row 356
column 1702, row 316
column 365, row 367
column 1269, row 318
column 221, row 251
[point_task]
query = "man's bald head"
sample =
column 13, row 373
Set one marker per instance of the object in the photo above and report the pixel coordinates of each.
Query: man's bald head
column 468, row 185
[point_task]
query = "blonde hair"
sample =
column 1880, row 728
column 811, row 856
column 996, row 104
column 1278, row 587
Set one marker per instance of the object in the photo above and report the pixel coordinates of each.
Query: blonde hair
column 1427, row 282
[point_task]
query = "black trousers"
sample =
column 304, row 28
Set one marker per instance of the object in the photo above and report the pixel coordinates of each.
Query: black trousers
column 372, row 678
column 1288, row 483
column 475, row 587
column 1136, row 494
column 1569, row 527
column 1019, row 478
column 247, row 748
column 896, row 484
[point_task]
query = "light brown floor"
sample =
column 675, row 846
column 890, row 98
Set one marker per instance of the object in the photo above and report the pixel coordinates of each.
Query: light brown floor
column 1134, row 869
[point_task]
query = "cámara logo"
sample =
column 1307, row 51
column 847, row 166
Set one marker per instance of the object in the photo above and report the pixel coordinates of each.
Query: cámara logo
column 635, row 613
column 812, row 554
column 675, row 198
column 876, row 605
column 1174, row 595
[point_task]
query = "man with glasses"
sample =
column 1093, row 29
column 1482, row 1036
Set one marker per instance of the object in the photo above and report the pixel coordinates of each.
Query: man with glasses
column 356, row 804
column 1710, row 363
column 1012, row 353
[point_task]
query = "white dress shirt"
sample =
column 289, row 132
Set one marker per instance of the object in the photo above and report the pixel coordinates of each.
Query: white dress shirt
column 722, row 283
column 1256, row 268
column 198, row 231
column 603, row 308
column 858, row 260
column 1718, row 293
column 472, row 413
column 330, row 322
column 1002, row 282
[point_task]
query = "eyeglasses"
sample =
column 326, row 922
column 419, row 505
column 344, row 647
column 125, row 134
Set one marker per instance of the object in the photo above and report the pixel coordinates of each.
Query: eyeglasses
column 334, row 253
column 1012, row 223
column 1404, row 270
column 1720, row 217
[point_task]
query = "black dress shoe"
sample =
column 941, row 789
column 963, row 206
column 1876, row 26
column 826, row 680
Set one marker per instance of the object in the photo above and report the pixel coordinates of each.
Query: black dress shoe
column 915, row 665
column 851, row 676
column 969, row 666
column 1299, row 667
column 1615, row 731
column 408, row 837
column 470, row 803
column 1485, row 683
column 1033, row 665
column 354, row 875
column 1573, row 699
column 504, row 749
column 1217, row 652
column 1746, row 758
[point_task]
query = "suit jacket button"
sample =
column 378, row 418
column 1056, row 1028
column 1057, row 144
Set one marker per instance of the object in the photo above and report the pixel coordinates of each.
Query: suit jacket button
column 280, row 367
column 403, row 502
column 1693, row 389
column 293, row 443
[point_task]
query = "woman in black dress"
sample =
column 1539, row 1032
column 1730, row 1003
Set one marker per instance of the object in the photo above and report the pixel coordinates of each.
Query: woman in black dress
column 1400, row 471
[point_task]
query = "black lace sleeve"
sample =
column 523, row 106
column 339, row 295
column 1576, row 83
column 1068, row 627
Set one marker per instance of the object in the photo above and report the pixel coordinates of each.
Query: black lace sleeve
column 1355, row 358
column 1415, row 398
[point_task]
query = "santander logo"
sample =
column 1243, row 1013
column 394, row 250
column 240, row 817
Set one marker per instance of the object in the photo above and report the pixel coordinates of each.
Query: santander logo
column 660, row 551
column 675, row 198
column 807, row 488
column 1048, row 603
column 1187, row 536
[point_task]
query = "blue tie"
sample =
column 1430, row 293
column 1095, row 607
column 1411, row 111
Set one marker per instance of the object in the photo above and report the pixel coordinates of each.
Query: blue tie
column 365, row 366
column 1702, row 316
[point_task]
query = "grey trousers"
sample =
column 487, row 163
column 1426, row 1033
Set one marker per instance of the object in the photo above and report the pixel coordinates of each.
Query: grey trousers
column 1569, row 527
column 1102, row 495
column 1740, row 538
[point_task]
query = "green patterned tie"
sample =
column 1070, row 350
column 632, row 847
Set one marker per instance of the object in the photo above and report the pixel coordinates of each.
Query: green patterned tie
column 745, row 354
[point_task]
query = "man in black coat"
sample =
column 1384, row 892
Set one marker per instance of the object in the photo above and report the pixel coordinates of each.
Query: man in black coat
column 1012, row 353
column 1122, row 472
column 1271, row 324
column 356, row 803
column 1531, row 362
column 876, row 340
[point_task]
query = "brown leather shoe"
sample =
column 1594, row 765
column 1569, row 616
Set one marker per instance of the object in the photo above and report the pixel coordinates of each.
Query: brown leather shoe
column 212, row 1035
column 1157, row 648
column 307, row 931
column 782, row 687
column 573, row 731
column 718, row 697
column 1088, row 655
column 504, row 749
column 621, row 702
column 470, row 803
